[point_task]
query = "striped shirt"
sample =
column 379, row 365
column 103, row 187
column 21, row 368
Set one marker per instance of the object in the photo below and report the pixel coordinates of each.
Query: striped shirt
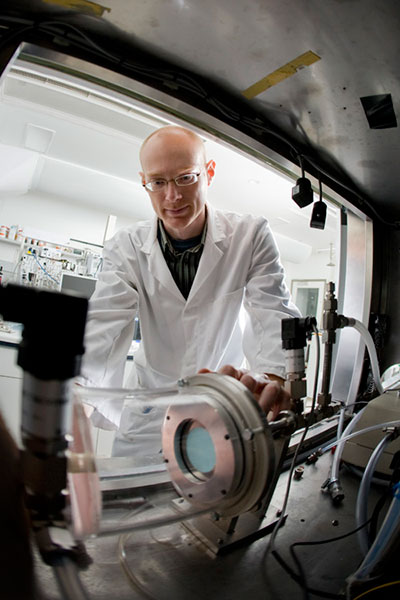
column 182, row 257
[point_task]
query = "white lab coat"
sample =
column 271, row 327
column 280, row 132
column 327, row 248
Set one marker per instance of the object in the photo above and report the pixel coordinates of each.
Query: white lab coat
column 239, row 265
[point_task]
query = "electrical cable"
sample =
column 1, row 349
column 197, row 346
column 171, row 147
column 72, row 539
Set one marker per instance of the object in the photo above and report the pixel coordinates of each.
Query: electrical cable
column 45, row 27
column 271, row 544
column 378, row 587
column 349, row 189
column 292, row 547
column 44, row 270
column 321, row 593
column 300, row 159
column 300, row 578
column 6, row 39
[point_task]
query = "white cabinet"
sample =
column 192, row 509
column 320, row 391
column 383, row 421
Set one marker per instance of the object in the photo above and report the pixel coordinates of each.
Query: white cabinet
column 11, row 399
column 10, row 389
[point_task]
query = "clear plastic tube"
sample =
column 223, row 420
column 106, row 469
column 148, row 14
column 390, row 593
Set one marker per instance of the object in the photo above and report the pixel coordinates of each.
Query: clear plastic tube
column 140, row 442
column 211, row 437
column 366, row 430
column 369, row 342
column 363, row 492
column 341, row 443
column 68, row 580
column 152, row 522
column 341, row 422
column 90, row 394
column 388, row 535
column 334, row 474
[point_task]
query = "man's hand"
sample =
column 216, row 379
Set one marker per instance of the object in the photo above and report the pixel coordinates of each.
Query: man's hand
column 269, row 394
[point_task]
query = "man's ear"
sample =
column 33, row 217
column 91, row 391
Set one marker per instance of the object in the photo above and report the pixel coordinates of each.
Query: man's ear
column 210, row 170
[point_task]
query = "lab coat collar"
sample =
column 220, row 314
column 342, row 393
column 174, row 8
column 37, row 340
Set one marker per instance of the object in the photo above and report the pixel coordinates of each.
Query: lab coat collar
column 215, row 231
column 151, row 237
column 212, row 254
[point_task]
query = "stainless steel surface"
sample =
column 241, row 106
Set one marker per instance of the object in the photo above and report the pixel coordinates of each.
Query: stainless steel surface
column 317, row 108
column 390, row 294
column 244, row 464
column 354, row 301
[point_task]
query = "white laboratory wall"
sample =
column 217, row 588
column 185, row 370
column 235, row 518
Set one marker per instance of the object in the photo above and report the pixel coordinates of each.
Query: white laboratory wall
column 315, row 267
column 73, row 220
column 60, row 217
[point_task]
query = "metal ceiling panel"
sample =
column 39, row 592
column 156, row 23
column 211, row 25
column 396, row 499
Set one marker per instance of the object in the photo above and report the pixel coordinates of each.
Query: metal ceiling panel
column 207, row 53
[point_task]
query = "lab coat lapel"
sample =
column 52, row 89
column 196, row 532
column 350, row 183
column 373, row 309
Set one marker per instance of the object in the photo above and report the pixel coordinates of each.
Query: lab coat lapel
column 212, row 253
column 157, row 265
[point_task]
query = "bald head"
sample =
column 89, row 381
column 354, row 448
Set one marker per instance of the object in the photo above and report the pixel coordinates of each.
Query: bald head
column 170, row 153
column 171, row 137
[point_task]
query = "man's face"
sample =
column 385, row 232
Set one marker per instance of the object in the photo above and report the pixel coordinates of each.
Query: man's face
column 181, row 208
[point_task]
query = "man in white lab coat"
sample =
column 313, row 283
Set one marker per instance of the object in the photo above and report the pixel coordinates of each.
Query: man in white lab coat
column 187, row 272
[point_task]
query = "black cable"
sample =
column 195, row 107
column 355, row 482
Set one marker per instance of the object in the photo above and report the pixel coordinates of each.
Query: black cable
column 45, row 27
column 6, row 39
column 300, row 158
column 322, row 593
column 271, row 544
column 352, row 191
column 300, row 579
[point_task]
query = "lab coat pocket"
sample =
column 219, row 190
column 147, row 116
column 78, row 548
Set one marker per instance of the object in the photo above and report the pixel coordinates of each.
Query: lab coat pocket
column 139, row 418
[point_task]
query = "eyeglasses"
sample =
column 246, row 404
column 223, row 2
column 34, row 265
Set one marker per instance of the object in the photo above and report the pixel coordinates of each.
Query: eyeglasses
column 158, row 185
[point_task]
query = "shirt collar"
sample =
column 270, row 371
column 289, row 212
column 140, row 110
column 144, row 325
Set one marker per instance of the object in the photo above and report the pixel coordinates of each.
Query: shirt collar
column 166, row 242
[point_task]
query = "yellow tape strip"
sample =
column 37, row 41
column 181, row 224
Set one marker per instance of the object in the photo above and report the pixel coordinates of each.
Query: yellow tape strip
column 304, row 60
column 83, row 5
